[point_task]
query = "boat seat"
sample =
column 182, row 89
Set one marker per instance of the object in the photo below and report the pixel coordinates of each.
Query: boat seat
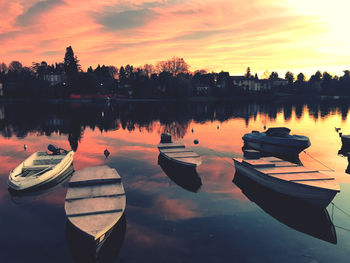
column 46, row 162
column 36, row 167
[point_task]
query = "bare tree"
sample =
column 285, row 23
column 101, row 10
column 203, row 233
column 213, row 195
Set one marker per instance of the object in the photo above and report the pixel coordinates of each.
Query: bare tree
column 149, row 69
column 174, row 66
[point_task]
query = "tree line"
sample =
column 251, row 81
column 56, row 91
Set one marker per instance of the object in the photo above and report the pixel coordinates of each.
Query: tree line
column 169, row 78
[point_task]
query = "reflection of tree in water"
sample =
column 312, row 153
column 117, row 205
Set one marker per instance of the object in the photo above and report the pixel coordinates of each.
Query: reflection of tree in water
column 175, row 117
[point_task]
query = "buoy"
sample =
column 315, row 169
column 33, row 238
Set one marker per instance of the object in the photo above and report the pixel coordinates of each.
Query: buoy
column 217, row 127
column 195, row 141
column 25, row 147
column 106, row 153
column 192, row 130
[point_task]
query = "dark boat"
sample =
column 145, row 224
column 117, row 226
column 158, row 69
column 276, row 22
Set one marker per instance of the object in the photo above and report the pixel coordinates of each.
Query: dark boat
column 83, row 250
column 292, row 212
column 276, row 141
column 183, row 176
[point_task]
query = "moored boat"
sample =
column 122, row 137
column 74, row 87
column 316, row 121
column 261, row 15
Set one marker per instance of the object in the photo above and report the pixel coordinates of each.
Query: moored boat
column 95, row 202
column 177, row 152
column 276, row 141
column 40, row 168
column 308, row 185
column 292, row 212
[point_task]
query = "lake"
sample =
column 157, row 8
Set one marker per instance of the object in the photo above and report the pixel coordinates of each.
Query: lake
column 199, row 217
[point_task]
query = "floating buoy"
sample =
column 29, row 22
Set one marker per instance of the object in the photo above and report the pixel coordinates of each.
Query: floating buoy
column 192, row 130
column 217, row 127
column 195, row 141
column 106, row 153
column 25, row 147
column 264, row 127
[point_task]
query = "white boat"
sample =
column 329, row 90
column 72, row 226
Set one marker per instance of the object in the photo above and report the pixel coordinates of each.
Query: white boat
column 40, row 168
column 177, row 152
column 290, row 179
column 276, row 141
column 95, row 201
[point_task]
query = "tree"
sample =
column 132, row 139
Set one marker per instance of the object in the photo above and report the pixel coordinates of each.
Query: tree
column 71, row 66
column 174, row 66
column 149, row 69
column 273, row 75
column 3, row 68
column 301, row 77
column 266, row 74
column 248, row 74
column 289, row 77
column 15, row 66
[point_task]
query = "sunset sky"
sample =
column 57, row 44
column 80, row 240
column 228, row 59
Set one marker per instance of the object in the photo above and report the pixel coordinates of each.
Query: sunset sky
column 296, row 35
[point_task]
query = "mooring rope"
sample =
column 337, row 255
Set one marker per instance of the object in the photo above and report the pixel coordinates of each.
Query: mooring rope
column 330, row 169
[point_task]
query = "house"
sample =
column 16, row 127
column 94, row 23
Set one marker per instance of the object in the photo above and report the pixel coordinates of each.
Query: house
column 53, row 78
column 243, row 83
column 278, row 82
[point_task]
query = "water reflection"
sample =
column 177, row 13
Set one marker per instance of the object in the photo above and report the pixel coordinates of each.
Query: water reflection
column 185, row 177
column 73, row 118
column 291, row 212
column 84, row 250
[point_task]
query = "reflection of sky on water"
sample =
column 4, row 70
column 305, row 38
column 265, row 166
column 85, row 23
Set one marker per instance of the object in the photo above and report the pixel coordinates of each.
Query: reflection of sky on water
column 165, row 222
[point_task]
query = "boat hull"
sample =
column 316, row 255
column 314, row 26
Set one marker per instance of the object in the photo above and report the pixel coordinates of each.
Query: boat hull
column 292, row 145
column 45, row 178
column 319, row 197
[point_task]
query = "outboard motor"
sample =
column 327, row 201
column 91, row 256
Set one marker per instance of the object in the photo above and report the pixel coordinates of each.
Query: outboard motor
column 165, row 138
column 53, row 149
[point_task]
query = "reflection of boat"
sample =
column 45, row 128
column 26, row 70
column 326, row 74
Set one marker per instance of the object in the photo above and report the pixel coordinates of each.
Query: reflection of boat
column 186, row 177
column 276, row 141
column 39, row 168
column 46, row 188
column 83, row 250
column 344, row 151
column 291, row 179
column 95, row 201
column 177, row 152
column 289, row 211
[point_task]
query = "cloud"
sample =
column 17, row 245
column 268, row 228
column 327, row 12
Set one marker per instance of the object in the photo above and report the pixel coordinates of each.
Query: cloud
column 127, row 19
column 35, row 10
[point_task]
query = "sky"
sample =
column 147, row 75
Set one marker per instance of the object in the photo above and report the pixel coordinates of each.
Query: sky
column 296, row 35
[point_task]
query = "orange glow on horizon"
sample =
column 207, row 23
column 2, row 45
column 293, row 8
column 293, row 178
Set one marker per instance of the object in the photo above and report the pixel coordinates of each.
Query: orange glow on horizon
column 289, row 35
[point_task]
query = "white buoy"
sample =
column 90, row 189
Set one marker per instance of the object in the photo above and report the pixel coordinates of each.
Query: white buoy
column 25, row 147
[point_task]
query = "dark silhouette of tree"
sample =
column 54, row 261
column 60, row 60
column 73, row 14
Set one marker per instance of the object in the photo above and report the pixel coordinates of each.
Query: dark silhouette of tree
column 174, row 66
column 71, row 62
column 289, row 77
column 3, row 68
column 301, row 77
column 273, row 75
column 248, row 74
column 15, row 66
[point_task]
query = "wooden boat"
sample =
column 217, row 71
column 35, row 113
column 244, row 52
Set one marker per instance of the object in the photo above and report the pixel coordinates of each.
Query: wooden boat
column 177, row 152
column 276, row 141
column 40, row 168
column 292, row 212
column 290, row 179
column 95, row 201
column 184, row 176
column 85, row 251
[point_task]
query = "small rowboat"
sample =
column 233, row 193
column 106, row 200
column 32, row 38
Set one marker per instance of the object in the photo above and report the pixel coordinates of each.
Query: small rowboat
column 310, row 186
column 40, row 168
column 95, row 202
column 177, row 152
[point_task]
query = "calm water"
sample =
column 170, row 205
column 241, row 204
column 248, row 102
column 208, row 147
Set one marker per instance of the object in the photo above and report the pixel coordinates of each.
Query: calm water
column 200, row 217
